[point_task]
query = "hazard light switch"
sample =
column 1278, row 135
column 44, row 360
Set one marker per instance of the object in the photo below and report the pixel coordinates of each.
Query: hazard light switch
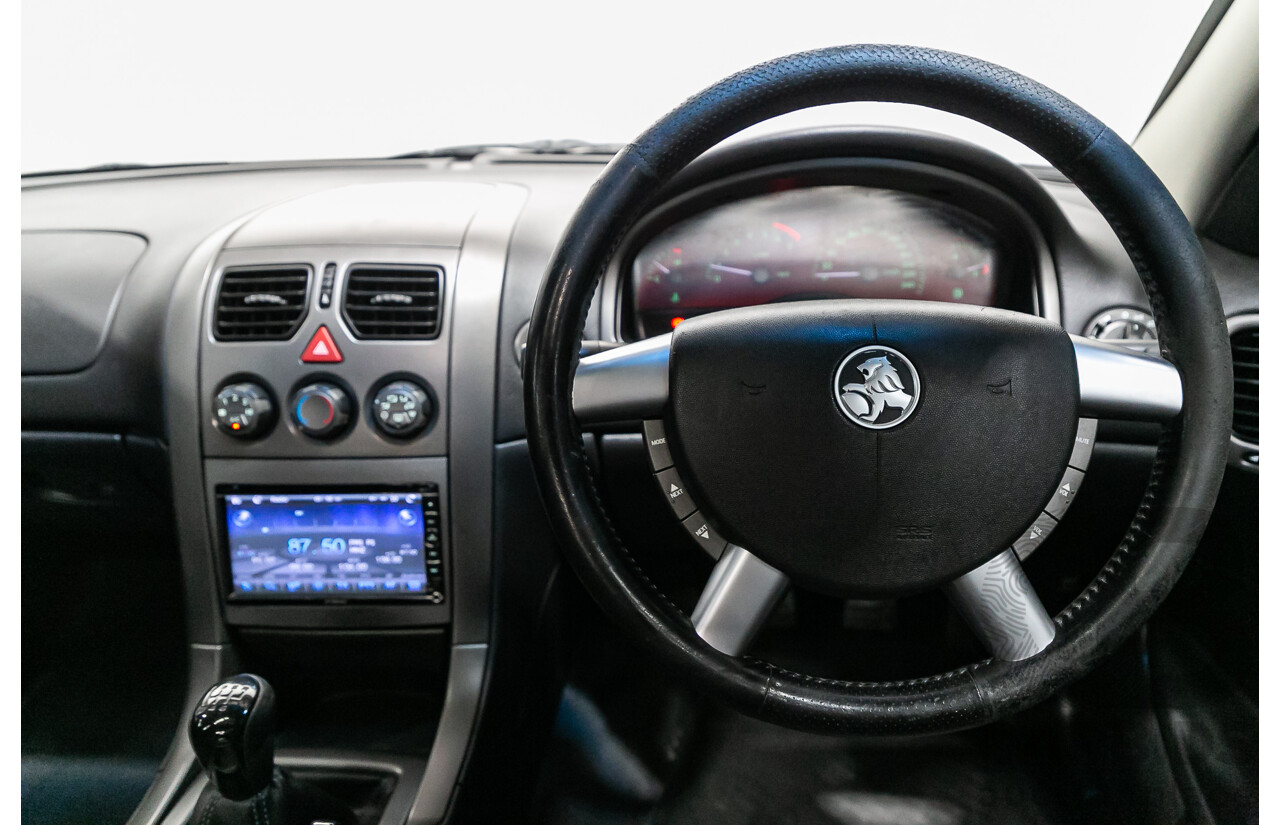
column 322, row 349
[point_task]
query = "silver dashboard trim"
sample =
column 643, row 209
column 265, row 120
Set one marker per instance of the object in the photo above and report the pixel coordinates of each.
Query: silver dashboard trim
column 473, row 375
column 477, row 276
column 364, row 366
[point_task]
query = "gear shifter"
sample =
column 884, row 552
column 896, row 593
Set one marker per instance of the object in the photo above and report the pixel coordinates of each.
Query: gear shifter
column 233, row 734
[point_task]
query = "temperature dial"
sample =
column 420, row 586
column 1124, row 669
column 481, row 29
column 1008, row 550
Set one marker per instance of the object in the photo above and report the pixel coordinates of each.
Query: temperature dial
column 401, row 409
column 321, row 410
column 244, row 410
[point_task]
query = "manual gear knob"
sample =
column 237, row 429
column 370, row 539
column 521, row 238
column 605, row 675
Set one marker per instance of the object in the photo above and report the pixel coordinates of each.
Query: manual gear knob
column 233, row 734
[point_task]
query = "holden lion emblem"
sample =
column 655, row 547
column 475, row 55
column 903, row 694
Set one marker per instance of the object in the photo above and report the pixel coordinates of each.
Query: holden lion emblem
column 877, row 387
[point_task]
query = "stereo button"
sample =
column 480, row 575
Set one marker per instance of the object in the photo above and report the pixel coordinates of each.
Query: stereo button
column 655, row 439
column 705, row 535
column 673, row 488
column 1086, row 433
column 1065, row 494
column 1035, row 535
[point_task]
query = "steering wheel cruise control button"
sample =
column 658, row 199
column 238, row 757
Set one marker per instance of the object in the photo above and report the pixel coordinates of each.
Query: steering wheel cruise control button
column 655, row 439
column 1083, row 449
column 705, row 535
column 1065, row 494
column 1035, row 536
column 677, row 496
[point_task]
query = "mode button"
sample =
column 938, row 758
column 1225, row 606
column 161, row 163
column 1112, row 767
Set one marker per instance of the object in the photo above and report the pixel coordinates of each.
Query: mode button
column 655, row 441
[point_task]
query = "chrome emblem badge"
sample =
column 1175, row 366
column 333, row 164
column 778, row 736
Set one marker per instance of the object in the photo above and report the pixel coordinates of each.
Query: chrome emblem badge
column 877, row 387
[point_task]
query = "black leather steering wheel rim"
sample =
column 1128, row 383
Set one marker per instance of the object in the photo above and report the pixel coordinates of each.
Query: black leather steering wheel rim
column 1191, row 455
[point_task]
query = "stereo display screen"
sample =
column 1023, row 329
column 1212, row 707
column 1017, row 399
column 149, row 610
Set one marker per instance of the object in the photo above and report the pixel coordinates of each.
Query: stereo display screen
column 368, row 545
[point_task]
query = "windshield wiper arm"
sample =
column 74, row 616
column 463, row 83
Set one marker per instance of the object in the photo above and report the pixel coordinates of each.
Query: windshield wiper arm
column 534, row 147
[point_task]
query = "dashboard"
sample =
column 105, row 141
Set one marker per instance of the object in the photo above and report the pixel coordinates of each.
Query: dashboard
column 813, row 243
column 249, row 333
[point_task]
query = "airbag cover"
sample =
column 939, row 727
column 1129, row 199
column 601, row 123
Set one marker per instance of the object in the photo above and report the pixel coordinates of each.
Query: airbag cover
column 781, row 469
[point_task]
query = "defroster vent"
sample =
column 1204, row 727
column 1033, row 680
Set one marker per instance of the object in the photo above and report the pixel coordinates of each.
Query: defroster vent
column 1244, row 360
column 393, row 302
column 261, row 303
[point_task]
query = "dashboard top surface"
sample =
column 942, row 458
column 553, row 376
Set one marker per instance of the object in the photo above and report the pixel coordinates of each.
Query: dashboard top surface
column 175, row 210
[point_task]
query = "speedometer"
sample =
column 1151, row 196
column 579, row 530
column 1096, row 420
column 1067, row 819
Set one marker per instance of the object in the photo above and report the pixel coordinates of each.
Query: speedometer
column 862, row 257
column 811, row 243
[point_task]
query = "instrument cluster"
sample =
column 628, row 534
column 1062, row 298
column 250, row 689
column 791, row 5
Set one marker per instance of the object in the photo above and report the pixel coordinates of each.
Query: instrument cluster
column 808, row 243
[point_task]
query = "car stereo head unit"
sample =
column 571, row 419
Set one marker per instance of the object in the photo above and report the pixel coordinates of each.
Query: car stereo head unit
column 334, row 545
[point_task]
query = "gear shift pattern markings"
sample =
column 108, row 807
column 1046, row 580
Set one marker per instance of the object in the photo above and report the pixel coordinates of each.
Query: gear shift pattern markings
column 232, row 732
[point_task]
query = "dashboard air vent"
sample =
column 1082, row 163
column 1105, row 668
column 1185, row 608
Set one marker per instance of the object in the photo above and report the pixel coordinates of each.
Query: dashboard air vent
column 393, row 302
column 1244, row 360
column 261, row 303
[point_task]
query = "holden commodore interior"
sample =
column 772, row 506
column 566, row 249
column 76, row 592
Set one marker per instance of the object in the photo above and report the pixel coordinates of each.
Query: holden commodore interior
column 844, row 475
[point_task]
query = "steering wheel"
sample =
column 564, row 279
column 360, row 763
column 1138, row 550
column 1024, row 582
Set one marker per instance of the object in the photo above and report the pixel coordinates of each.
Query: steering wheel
column 876, row 449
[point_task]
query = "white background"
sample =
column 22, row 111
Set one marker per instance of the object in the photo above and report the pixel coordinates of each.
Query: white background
column 159, row 81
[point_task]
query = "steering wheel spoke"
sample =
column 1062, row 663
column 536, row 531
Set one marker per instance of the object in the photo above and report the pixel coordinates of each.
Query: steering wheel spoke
column 1118, row 382
column 999, row 604
column 740, row 594
column 623, row 383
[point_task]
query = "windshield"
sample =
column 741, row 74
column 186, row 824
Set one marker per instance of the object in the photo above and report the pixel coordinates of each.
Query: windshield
column 158, row 82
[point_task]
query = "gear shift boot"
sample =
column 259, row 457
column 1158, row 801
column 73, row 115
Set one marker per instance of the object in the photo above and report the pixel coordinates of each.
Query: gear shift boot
column 233, row 734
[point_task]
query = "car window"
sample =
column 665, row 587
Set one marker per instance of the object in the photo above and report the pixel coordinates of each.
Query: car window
column 175, row 83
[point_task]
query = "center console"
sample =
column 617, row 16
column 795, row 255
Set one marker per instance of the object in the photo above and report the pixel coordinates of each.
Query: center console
column 330, row 393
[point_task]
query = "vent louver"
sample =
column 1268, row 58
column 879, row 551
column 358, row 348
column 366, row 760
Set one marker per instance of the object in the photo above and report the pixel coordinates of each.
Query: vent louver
column 1244, row 360
column 393, row 302
column 261, row 303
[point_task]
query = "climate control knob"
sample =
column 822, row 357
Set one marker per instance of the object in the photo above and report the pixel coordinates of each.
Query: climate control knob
column 401, row 409
column 321, row 410
column 244, row 410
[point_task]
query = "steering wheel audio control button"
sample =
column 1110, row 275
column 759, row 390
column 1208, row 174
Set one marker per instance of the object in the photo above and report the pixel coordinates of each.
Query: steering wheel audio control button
column 1083, row 449
column 1035, row 536
column 677, row 496
column 705, row 535
column 655, row 439
column 1065, row 494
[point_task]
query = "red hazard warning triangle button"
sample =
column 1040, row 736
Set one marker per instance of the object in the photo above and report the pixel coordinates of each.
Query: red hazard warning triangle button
column 322, row 349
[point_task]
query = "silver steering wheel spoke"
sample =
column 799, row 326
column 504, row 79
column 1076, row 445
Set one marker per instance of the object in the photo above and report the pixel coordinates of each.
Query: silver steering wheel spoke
column 1118, row 382
column 999, row 604
column 623, row 383
column 740, row 594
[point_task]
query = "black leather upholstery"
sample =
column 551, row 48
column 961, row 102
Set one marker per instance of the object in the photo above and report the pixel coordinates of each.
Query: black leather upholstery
column 1164, row 248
